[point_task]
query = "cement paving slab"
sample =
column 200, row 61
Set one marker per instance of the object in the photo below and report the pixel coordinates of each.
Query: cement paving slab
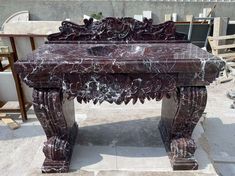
column 123, row 141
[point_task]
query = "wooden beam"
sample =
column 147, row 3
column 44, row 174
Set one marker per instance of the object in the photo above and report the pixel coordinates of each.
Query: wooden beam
column 13, row 45
column 224, row 46
column 3, row 115
column 220, row 28
column 10, row 123
column 222, row 37
column 13, row 107
column 10, row 105
column 32, row 43
column 19, row 89
column 227, row 55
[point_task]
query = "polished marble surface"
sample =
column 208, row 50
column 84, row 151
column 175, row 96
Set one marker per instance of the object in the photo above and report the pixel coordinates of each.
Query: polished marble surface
column 122, row 58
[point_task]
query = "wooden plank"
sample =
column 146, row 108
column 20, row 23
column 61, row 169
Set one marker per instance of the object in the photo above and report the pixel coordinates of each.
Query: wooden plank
column 10, row 106
column 13, row 45
column 19, row 90
column 224, row 46
column 11, row 123
column 228, row 59
column 17, row 110
column 32, row 43
column 6, row 54
column 212, row 44
column 226, row 37
column 220, row 29
column 227, row 55
column 3, row 115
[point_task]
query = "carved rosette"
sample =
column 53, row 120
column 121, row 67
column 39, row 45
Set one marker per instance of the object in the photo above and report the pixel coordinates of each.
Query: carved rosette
column 116, row 29
column 119, row 88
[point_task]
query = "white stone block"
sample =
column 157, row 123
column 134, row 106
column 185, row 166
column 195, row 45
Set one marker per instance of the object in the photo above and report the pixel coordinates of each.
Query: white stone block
column 174, row 17
column 147, row 14
column 168, row 17
column 138, row 17
column 88, row 17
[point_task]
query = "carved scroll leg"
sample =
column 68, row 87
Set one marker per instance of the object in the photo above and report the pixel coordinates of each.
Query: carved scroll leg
column 180, row 114
column 57, row 119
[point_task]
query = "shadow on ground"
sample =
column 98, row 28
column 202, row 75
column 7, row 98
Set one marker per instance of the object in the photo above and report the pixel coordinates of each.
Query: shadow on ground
column 139, row 132
column 221, row 135
column 125, row 145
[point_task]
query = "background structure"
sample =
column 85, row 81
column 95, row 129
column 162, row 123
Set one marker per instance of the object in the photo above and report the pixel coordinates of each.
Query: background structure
column 58, row 10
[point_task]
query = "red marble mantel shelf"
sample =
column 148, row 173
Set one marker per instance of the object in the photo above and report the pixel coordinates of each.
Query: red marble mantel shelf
column 183, row 59
column 118, row 63
column 124, row 58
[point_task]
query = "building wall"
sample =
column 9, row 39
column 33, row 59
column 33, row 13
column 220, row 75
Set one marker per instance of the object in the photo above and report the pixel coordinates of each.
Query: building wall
column 74, row 9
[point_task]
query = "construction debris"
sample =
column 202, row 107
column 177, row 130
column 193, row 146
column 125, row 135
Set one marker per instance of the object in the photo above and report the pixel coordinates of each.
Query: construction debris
column 231, row 94
column 6, row 119
column 2, row 115
column 233, row 105
column 225, row 79
column 230, row 67
column 10, row 123
column 224, row 51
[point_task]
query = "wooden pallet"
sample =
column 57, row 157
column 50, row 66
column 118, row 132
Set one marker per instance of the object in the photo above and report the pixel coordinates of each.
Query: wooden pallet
column 226, row 53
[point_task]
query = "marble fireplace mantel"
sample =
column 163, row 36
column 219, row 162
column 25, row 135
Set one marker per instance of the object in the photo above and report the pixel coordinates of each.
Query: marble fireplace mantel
column 118, row 61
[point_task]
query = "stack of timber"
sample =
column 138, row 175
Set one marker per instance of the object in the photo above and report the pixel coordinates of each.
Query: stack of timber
column 225, row 50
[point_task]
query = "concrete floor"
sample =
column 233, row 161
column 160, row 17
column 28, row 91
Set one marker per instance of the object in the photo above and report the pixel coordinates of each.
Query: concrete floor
column 219, row 129
column 124, row 140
